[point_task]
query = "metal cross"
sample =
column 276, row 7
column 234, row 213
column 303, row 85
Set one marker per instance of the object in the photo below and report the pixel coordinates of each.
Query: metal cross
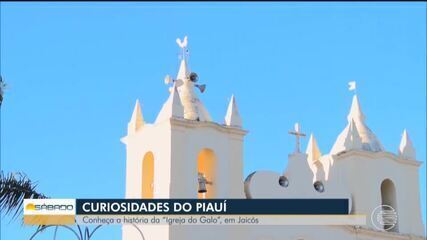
column 298, row 135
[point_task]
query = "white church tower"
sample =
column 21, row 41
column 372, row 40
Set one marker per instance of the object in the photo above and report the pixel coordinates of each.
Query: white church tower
column 168, row 158
column 377, row 177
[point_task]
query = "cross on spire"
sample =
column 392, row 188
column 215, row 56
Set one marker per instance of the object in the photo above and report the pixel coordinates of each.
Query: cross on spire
column 298, row 134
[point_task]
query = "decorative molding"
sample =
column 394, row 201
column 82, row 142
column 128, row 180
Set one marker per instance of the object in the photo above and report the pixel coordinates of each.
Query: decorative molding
column 375, row 155
column 205, row 124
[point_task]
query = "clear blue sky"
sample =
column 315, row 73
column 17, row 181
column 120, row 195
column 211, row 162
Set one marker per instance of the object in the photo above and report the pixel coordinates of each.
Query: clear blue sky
column 75, row 70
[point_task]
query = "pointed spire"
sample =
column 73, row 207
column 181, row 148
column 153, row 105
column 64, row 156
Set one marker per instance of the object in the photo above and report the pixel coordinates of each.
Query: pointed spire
column 232, row 118
column 313, row 151
column 355, row 132
column 193, row 106
column 356, row 111
column 313, row 158
column 137, row 121
column 406, row 149
column 172, row 107
column 352, row 140
column 183, row 71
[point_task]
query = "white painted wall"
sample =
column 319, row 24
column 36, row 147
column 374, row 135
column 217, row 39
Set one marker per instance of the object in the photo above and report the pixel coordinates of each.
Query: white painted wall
column 356, row 175
column 176, row 144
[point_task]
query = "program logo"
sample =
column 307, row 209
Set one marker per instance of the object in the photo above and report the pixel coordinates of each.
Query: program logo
column 49, row 211
column 384, row 217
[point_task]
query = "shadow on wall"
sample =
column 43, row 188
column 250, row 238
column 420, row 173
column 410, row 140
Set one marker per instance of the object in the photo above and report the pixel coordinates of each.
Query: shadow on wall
column 388, row 197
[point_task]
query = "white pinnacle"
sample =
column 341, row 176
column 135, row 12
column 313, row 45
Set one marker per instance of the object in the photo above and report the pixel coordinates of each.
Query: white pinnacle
column 137, row 120
column 172, row 107
column 356, row 111
column 193, row 107
column 232, row 118
column 313, row 159
column 406, row 149
column 356, row 131
column 183, row 71
column 352, row 140
column 312, row 150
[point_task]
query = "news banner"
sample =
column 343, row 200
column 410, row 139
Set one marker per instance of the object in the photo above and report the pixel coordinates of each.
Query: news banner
column 190, row 212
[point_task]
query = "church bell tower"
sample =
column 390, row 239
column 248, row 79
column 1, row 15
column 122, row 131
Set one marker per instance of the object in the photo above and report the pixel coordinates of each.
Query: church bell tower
column 184, row 153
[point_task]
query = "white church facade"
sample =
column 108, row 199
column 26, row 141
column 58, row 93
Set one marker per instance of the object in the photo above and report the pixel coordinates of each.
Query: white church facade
column 168, row 159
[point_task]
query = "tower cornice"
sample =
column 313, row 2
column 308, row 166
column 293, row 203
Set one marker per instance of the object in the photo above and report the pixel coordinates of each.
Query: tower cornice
column 375, row 155
column 204, row 124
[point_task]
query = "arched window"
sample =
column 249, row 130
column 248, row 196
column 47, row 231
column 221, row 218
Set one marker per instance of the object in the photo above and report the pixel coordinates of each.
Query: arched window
column 388, row 198
column 147, row 175
column 206, row 169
